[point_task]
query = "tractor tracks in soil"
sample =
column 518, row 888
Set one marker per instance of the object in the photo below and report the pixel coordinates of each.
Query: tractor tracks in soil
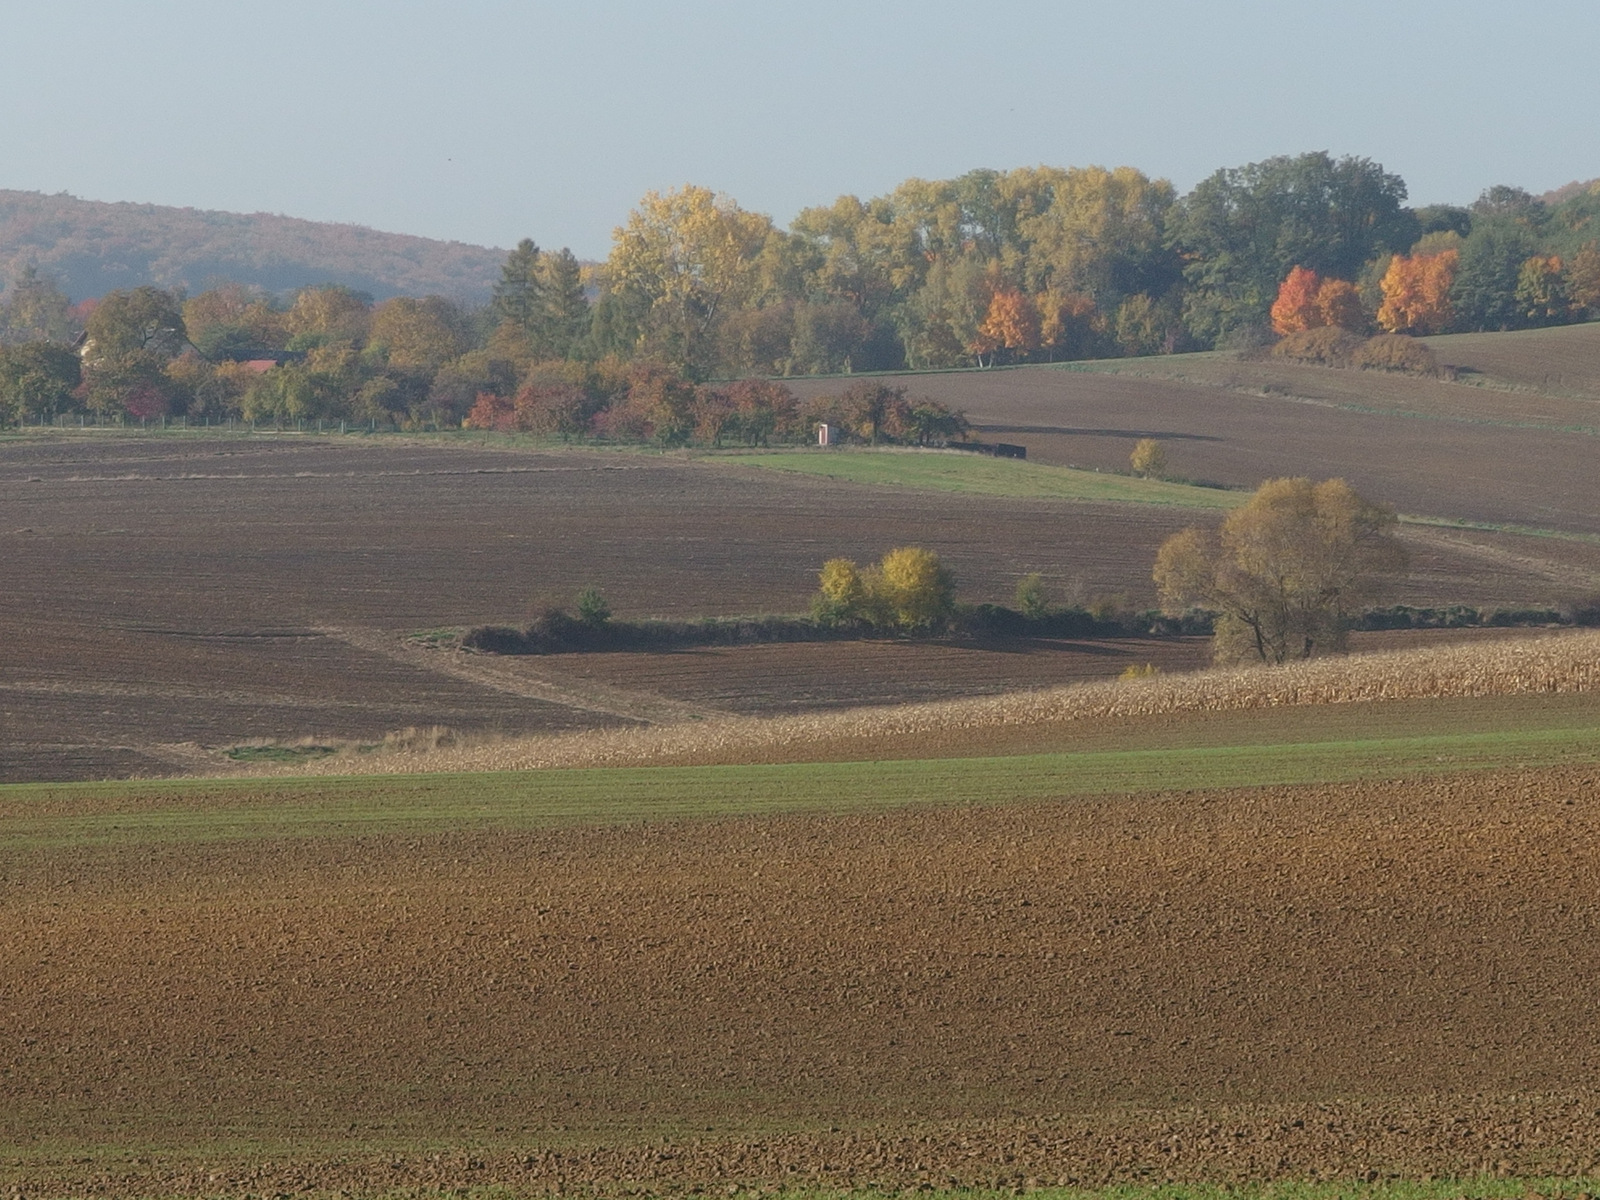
column 526, row 678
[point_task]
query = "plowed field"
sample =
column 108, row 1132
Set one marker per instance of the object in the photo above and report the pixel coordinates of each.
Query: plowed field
column 164, row 593
column 1427, row 447
column 1228, row 985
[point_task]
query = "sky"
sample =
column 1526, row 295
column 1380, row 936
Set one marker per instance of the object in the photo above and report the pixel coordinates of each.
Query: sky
column 486, row 121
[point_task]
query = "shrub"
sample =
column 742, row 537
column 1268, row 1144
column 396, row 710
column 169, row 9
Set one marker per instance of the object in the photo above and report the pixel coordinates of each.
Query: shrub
column 1395, row 352
column 593, row 610
column 1327, row 345
column 1149, row 459
column 1031, row 598
column 909, row 590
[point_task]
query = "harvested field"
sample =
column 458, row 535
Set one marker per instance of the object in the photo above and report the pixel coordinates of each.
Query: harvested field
column 1564, row 361
column 1225, row 985
column 1565, row 663
column 1425, row 446
column 166, row 594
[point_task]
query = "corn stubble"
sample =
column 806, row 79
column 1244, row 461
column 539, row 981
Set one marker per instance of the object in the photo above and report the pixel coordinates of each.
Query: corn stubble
column 1545, row 664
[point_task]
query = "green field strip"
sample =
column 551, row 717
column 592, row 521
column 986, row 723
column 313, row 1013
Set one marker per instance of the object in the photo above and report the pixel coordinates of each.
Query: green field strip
column 210, row 810
column 980, row 475
column 953, row 471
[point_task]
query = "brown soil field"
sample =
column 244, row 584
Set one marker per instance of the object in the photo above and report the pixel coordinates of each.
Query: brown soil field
column 169, row 593
column 1564, row 361
column 1425, row 446
column 1337, row 981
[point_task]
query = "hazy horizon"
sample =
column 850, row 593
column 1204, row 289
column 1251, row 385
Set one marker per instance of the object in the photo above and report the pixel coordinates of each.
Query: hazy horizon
column 488, row 122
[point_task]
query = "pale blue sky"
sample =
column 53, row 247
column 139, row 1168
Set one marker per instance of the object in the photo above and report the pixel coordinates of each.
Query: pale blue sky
column 488, row 121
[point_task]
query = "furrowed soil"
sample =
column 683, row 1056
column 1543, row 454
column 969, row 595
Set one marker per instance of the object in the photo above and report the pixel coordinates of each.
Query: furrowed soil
column 167, row 596
column 1495, row 454
column 1337, row 981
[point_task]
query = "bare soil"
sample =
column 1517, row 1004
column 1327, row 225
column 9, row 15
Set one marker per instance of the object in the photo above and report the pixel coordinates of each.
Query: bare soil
column 1385, row 977
column 164, row 594
column 1424, row 446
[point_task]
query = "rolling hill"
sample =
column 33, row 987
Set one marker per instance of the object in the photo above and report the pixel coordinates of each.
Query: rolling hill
column 92, row 247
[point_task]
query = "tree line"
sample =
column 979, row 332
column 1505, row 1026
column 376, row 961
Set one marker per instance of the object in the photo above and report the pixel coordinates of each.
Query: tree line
column 1032, row 265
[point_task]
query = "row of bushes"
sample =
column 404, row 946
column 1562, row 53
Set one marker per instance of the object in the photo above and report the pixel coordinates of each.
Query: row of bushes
column 1330, row 346
column 558, row 631
column 1460, row 616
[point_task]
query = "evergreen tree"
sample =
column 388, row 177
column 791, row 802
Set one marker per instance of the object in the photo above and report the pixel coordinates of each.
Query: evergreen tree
column 565, row 308
column 518, row 297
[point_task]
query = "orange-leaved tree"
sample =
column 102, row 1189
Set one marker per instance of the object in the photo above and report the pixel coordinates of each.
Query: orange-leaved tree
column 1296, row 306
column 1339, row 305
column 1012, row 323
column 1416, row 293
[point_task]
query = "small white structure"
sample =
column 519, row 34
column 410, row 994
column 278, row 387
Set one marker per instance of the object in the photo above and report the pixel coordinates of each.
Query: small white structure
column 824, row 435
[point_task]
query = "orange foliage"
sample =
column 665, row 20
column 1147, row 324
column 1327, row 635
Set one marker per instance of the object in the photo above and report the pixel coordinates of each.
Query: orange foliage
column 1296, row 308
column 1339, row 305
column 1416, row 293
column 1011, row 324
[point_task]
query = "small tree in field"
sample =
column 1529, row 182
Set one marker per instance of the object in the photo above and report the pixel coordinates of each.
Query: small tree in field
column 1286, row 573
column 1149, row 459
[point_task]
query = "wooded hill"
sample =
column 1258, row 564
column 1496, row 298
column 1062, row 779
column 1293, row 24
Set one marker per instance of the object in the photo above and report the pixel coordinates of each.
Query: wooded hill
column 92, row 248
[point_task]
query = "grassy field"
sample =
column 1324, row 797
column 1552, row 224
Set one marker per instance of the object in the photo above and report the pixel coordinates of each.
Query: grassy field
column 1201, row 753
column 952, row 471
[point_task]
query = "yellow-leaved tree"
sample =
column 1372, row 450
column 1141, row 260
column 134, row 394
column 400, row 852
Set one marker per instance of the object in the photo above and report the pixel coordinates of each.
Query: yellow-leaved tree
column 1287, row 572
column 685, row 259
column 909, row 589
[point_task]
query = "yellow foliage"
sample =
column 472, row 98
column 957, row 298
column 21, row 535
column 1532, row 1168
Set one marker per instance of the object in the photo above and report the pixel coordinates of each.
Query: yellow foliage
column 915, row 587
column 1286, row 571
column 1149, row 459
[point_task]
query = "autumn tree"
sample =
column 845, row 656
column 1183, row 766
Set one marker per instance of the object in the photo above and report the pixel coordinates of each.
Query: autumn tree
column 908, row 589
column 1583, row 278
column 420, row 334
column 328, row 314
column 1416, row 293
column 233, row 322
column 689, row 256
column 1542, row 291
column 1149, row 459
column 1339, row 305
column 1286, row 573
column 1012, row 323
column 1296, row 309
column 132, row 336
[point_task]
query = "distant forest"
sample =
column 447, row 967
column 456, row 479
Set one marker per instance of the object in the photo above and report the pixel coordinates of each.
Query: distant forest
column 89, row 248
column 1310, row 253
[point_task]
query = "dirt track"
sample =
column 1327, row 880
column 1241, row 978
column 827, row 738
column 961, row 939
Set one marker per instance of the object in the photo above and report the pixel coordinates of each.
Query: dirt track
column 1101, row 989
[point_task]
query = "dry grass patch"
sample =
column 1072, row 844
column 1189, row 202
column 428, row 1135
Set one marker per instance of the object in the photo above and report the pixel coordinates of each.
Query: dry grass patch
column 1543, row 664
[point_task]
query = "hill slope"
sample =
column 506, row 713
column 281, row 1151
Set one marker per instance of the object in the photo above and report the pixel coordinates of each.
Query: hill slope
column 93, row 247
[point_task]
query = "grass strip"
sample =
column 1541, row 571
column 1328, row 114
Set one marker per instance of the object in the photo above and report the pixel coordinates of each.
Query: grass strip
column 952, row 471
column 978, row 475
column 39, row 816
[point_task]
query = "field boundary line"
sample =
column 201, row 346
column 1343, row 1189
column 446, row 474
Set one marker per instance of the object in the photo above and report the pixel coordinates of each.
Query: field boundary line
column 524, row 679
